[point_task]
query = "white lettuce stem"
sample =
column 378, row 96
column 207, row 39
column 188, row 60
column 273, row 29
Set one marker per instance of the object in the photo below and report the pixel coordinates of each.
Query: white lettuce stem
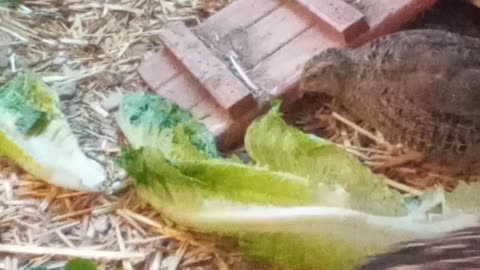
column 355, row 227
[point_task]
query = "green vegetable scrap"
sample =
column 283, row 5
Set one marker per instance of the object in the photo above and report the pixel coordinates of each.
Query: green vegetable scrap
column 271, row 143
column 80, row 264
column 12, row 3
column 36, row 135
column 149, row 120
column 464, row 199
column 25, row 97
column 302, row 204
column 74, row 264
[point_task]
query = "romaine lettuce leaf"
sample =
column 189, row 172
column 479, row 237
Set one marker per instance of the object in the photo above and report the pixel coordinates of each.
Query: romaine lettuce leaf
column 303, row 204
column 274, row 145
column 35, row 134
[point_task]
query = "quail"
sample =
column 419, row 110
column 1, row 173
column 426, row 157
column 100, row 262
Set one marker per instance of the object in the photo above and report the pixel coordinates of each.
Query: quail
column 419, row 88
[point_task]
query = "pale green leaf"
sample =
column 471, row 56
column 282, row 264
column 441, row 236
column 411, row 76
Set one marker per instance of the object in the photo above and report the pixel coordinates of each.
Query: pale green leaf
column 36, row 135
column 271, row 143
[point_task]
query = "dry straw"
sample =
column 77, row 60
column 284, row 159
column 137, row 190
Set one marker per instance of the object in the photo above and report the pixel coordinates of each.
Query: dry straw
column 90, row 49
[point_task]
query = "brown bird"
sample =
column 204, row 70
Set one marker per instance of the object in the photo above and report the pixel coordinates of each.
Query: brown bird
column 458, row 250
column 419, row 88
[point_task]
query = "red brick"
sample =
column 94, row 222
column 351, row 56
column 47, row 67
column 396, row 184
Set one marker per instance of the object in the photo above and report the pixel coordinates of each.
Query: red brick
column 213, row 74
column 237, row 15
column 185, row 91
column 345, row 20
column 233, row 135
column 213, row 116
column 189, row 94
column 158, row 68
column 279, row 73
column 273, row 31
column 387, row 16
column 228, row 132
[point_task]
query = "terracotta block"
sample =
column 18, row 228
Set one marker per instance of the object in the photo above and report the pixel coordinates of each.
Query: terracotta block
column 237, row 15
column 215, row 118
column 272, row 32
column 213, row 74
column 185, row 91
column 346, row 21
column 233, row 135
column 158, row 68
column 228, row 132
column 279, row 73
column 189, row 94
column 387, row 16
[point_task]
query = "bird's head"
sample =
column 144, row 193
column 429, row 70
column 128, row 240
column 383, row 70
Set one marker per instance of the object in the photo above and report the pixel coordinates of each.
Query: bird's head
column 326, row 72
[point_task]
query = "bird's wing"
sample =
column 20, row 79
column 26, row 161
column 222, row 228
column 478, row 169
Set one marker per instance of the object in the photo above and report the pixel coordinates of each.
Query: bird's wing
column 444, row 88
column 404, row 48
column 438, row 70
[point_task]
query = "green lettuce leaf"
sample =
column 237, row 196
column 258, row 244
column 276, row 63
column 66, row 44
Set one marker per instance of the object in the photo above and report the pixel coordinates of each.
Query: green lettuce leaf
column 35, row 134
column 303, row 204
column 272, row 144
column 463, row 199
column 149, row 120
column 80, row 264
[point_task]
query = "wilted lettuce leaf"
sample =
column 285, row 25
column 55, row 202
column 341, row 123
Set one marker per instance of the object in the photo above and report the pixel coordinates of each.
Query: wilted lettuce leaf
column 299, row 252
column 36, row 135
column 464, row 199
column 150, row 120
column 167, row 157
column 80, row 264
column 189, row 184
column 271, row 143
column 305, row 203
column 25, row 97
